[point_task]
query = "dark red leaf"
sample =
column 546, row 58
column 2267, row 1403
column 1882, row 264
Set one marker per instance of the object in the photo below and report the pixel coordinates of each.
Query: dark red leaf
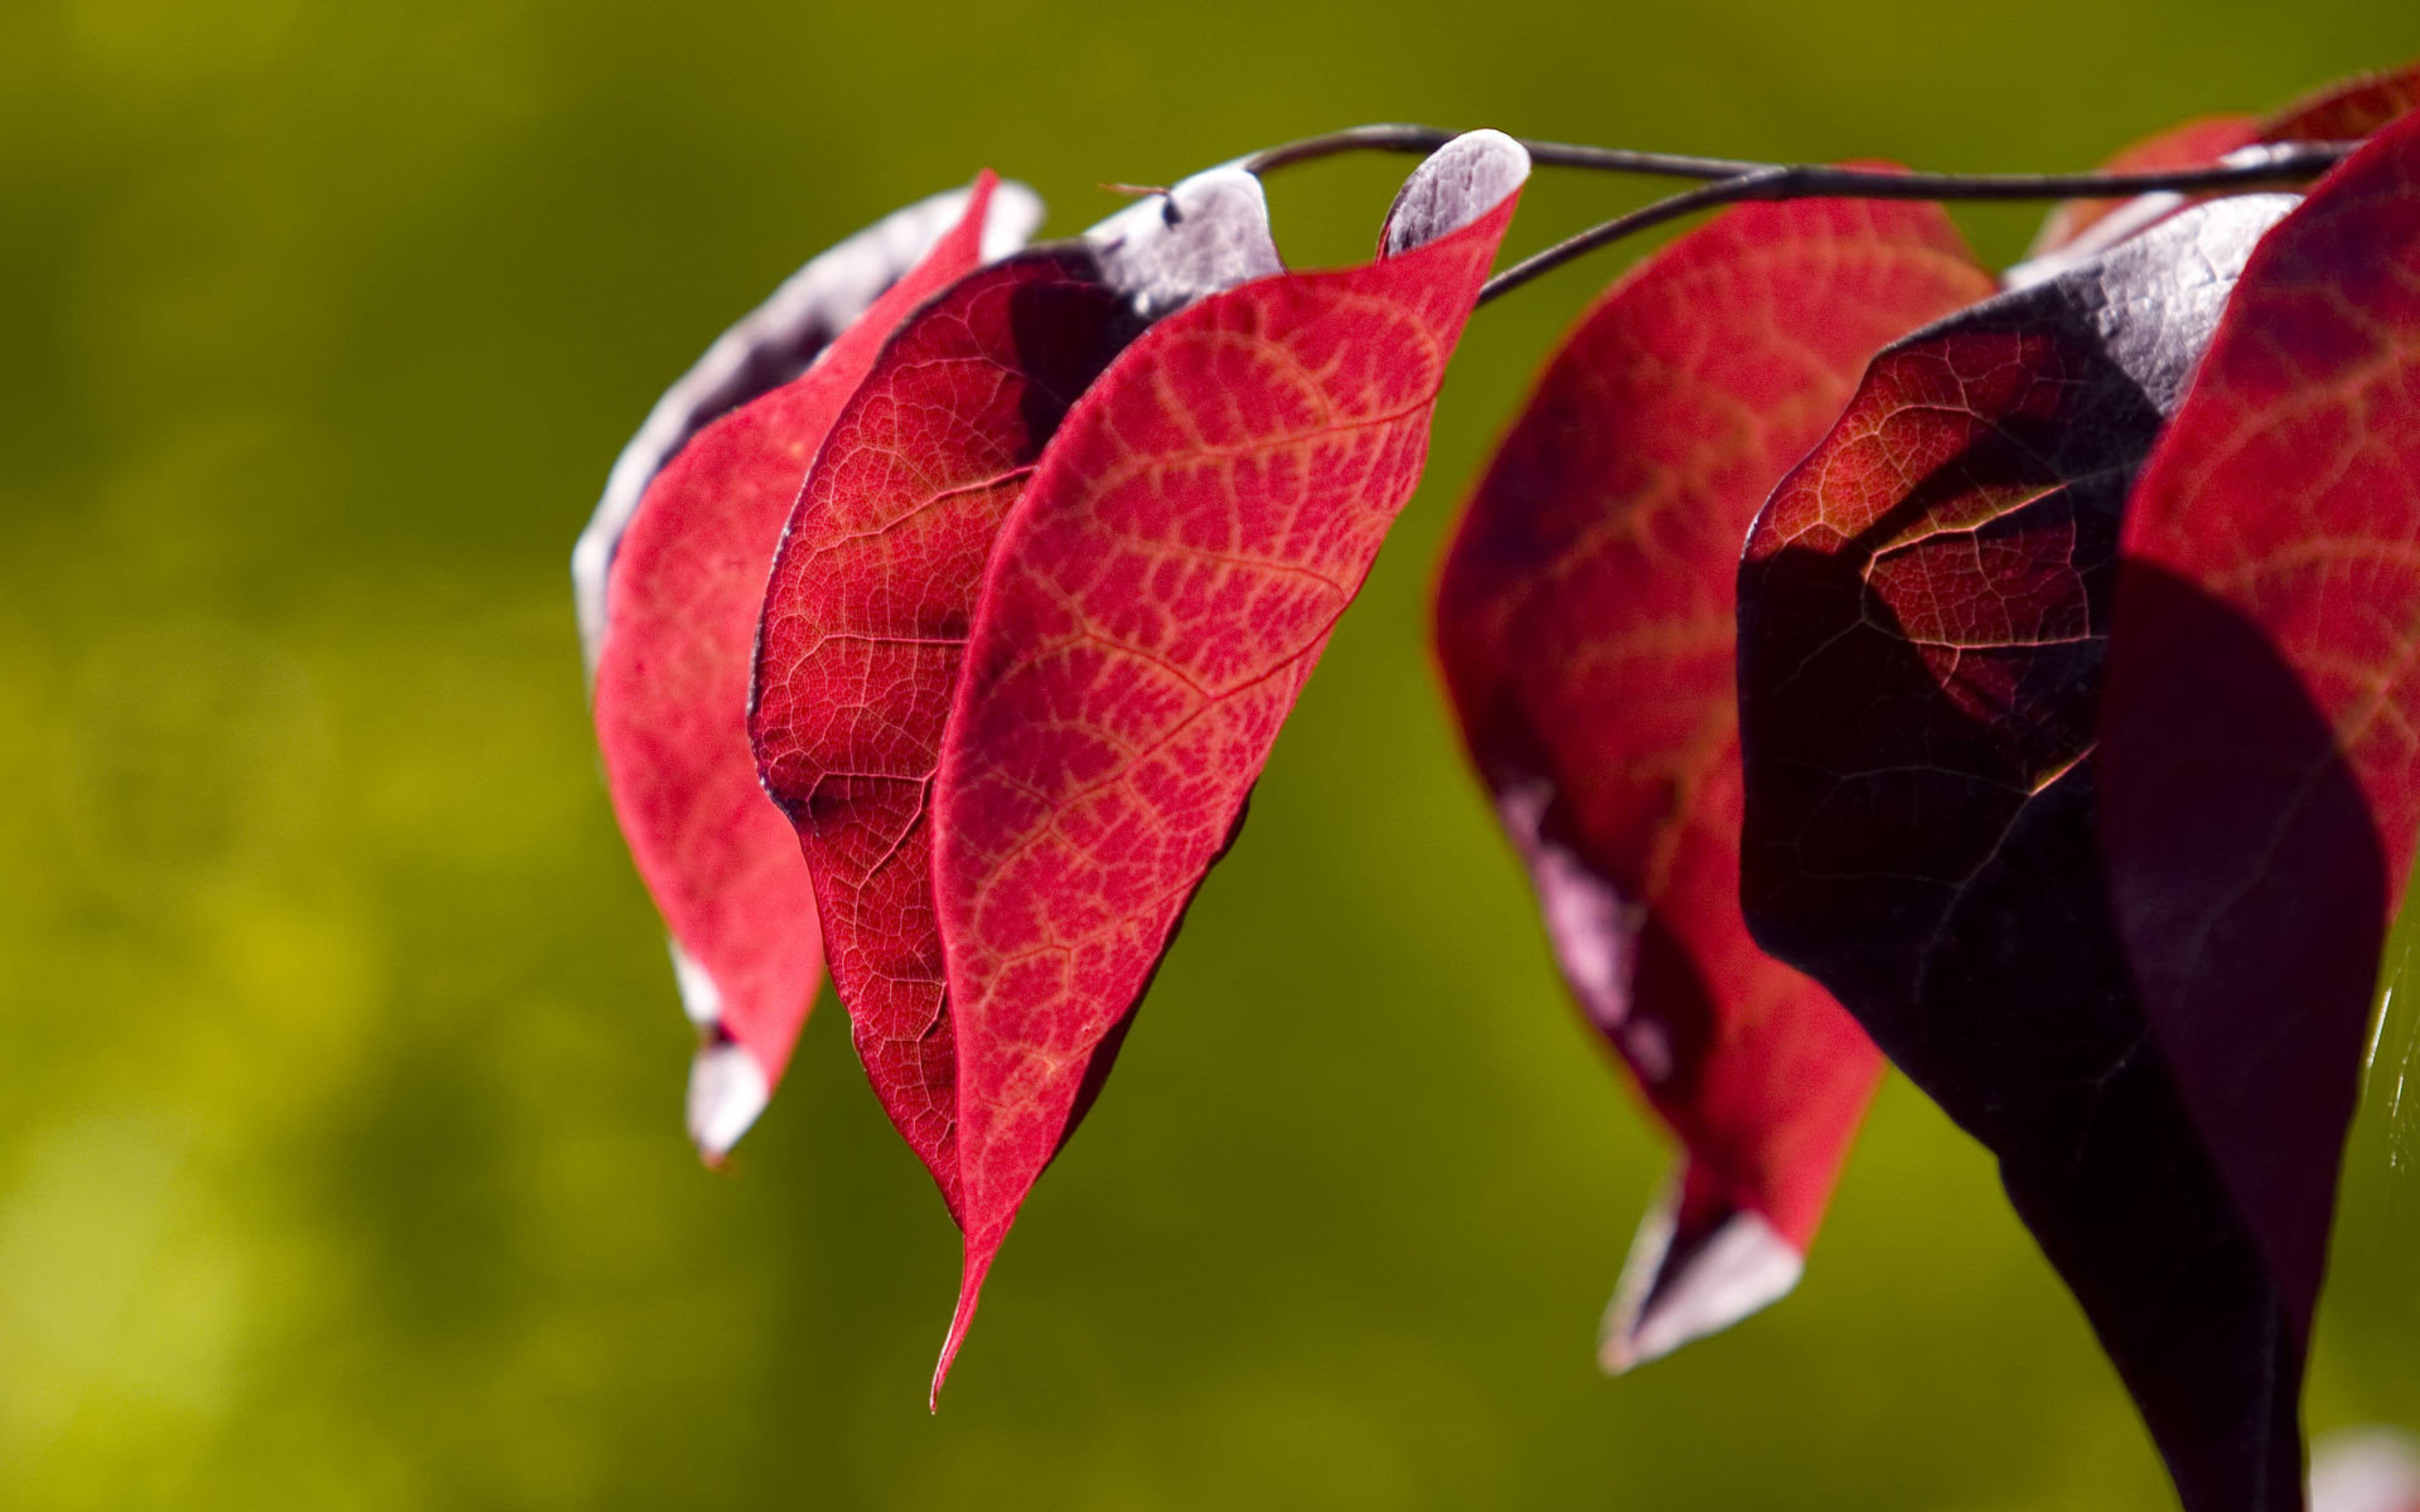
column 1156, row 600
column 875, row 583
column 2261, row 737
column 672, row 574
column 1585, row 624
column 1923, row 616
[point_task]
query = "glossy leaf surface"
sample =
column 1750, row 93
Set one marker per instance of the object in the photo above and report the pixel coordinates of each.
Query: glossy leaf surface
column 1585, row 624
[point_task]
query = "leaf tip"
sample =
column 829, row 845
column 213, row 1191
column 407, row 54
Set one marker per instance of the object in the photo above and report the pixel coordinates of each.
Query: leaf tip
column 1457, row 184
column 1692, row 1274
column 978, row 1265
column 727, row 1091
column 2366, row 1469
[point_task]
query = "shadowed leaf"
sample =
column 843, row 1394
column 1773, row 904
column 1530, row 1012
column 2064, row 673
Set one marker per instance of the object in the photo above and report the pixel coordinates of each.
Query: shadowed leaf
column 1924, row 609
column 2261, row 737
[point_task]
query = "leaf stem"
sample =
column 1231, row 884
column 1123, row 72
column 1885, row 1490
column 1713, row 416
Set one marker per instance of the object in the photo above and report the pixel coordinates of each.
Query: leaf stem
column 1731, row 180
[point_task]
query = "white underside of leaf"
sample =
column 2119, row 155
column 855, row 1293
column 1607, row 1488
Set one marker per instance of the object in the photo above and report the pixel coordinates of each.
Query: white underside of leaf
column 700, row 999
column 2366, row 1469
column 768, row 347
column 1209, row 233
column 726, row 1091
column 1663, row 1301
column 1454, row 186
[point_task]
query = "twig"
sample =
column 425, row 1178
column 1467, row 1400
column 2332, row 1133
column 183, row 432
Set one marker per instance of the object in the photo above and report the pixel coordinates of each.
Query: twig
column 2252, row 168
column 1732, row 181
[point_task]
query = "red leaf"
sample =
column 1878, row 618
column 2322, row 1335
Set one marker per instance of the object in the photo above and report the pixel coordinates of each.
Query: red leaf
column 1155, row 603
column 2349, row 110
column 870, row 595
column 2260, row 751
column 2343, row 111
column 1585, row 624
column 1923, row 613
column 672, row 572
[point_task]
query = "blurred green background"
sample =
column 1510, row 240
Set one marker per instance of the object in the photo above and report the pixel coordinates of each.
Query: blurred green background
column 340, row 1066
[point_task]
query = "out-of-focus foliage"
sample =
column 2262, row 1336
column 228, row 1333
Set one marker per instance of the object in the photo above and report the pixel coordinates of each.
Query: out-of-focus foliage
column 340, row 1151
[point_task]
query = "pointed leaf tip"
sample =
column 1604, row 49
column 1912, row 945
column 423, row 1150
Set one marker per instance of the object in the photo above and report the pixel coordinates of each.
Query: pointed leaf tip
column 1692, row 1274
column 970, row 1284
column 727, row 1092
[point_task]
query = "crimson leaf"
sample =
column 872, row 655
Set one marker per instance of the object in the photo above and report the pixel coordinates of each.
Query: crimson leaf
column 1156, row 600
column 670, row 574
column 1584, row 620
column 872, row 594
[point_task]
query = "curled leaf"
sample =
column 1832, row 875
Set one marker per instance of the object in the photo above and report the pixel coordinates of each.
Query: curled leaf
column 1583, row 620
column 1156, row 601
column 671, row 575
column 871, row 596
column 1924, row 613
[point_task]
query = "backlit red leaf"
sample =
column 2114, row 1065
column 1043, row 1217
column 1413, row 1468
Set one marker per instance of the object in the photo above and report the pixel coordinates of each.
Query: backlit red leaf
column 1585, row 624
column 673, row 573
column 874, row 586
column 1924, row 609
column 1156, row 601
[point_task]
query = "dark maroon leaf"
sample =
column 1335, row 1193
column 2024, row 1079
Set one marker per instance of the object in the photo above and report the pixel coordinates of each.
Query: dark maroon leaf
column 1924, row 608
